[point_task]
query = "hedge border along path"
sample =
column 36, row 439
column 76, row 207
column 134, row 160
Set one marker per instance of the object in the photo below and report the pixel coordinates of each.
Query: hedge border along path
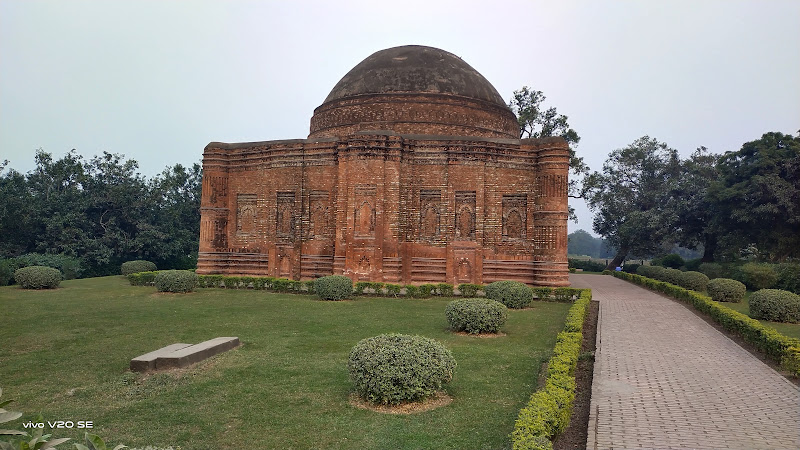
column 665, row 378
column 548, row 411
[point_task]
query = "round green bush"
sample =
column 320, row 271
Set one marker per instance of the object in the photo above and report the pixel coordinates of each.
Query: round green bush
column 137, row 266
column 695, row 281
column 726, row 290
column 333, row 287
column 513, row 294
column 672, row 276
column 654, row 272
column 38, row 277
column 397, row 368
column 758, row 276
column 775, row 305
column 476, row 315
column 788, row 277
column 673, row 260
column 176, row 281
column 713, row 270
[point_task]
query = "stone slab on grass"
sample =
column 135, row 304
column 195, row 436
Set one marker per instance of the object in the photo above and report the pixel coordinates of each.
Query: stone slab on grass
column 147, row 361
column 183, row 355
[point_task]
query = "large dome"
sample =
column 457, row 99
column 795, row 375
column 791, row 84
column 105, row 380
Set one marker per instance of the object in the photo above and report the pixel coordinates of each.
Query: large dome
column 414, row 90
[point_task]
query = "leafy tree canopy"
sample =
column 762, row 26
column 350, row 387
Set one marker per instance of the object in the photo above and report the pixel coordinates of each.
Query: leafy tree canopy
column 537, row 122
column 629, row 195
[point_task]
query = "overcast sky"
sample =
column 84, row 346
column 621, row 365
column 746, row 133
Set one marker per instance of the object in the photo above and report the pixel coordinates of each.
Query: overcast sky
column 158, row 80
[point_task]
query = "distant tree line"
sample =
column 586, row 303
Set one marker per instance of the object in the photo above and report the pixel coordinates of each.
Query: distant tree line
column 740, row 204
column 581, row 243
column 100, row 212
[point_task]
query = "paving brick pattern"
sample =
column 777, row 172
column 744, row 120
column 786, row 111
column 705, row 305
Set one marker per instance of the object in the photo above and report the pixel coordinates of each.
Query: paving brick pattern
column 665, row 379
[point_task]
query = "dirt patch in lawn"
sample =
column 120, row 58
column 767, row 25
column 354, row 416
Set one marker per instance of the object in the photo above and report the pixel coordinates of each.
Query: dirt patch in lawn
column 438, row 400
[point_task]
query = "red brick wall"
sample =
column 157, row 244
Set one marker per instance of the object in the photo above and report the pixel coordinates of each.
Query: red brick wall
column 385, row 207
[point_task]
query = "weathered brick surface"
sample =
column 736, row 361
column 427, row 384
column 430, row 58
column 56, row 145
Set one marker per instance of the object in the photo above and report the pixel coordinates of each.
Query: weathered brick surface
column 448, row 194
column 666, row 379
column 386, row 207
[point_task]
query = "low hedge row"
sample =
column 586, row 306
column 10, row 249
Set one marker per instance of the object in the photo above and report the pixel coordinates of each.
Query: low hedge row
column 548, row 411
column 695, row 281
column 360, row 288
column 782, row 349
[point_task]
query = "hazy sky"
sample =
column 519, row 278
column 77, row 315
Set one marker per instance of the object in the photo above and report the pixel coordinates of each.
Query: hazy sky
column 158, row 80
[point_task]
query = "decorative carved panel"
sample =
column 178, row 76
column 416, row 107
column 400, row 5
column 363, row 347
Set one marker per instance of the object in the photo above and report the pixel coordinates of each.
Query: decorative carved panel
column 465, row 216
column 551, row 185
column 514, row 216
column 319, row 215
column 364, row 214
column 285, row 216
column 220, row 241
column 246, row 213
column 217, row 188
column 429, row 206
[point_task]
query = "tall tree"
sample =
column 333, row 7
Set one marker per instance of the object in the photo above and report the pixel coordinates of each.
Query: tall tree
column 174, row 237
column 629, row 197
column 695, row 215
column 15, row 211
column 537, row 122
column 758, row 196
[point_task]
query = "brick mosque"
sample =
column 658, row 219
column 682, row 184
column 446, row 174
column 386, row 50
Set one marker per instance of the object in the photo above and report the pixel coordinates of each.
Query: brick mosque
column 413, row 172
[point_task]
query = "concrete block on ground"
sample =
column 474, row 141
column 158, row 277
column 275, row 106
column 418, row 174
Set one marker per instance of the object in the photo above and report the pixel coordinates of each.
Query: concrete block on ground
column 182, row 355
column 189, row 355
column 147, row 361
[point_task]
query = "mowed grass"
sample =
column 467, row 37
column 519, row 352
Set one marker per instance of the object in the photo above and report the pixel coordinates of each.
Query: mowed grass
column 788, row 329
column 64, row 354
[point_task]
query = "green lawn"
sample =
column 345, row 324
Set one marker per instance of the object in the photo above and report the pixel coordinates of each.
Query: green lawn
column 65, row 354
column 788, row 329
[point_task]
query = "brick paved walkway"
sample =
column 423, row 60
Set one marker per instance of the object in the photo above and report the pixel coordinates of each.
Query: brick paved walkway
column 664, row 379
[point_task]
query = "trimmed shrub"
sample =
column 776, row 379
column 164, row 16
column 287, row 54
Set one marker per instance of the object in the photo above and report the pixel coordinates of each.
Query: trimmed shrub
column 672, row 276
column 469, row 290
column 38, row 277
column 726, row 290
column 444, row 289
column 138, row 265
column 758, row 276
column 175, row 281
column 548, row 411
column 398, row 368
column 713, row 270
column 476, row 315
column 543, row 293
column 775, row 305
column 142, row 278
column 510, row 293
column 426, row 290
column 393, row 289
column 333, row 287
column 654, row 272
column 788, row 277
column 69, row 267
column 695, row 281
